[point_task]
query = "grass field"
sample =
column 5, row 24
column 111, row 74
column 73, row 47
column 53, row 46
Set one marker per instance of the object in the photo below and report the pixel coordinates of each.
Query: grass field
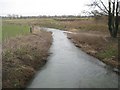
column 64, row 24
column 0, row 34
column 12, row 30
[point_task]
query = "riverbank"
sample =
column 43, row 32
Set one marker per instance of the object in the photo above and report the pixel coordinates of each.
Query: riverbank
column 23, row 56
column 98, row 45
column 69, row 67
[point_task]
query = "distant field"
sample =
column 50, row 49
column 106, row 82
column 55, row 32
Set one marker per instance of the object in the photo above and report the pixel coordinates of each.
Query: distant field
column 12, row 30
column 62, row 23
column 13, row 27
column 0, row 34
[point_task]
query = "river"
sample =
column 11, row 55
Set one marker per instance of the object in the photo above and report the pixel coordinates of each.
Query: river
column 70, row 67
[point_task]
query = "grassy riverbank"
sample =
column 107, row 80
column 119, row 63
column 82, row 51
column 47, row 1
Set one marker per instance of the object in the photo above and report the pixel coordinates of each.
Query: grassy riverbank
column 22, row 57
column 98, row 45
column 91, row 36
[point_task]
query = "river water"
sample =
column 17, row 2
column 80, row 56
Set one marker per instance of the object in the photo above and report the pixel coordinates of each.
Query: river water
column 69, row 67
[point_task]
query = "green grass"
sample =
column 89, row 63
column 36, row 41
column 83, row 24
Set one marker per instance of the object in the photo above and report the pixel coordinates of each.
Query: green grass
column 12, row 30
column 0, row 34
column 108, row 53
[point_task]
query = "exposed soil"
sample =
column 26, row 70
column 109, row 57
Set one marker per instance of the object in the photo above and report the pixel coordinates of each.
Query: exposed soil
column 95, row 44
column 23, row 56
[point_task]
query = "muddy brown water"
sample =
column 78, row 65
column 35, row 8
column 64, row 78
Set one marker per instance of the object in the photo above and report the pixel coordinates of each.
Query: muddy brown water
column 69, row 67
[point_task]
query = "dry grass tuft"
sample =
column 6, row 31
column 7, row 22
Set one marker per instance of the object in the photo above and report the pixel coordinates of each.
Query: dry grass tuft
column 23, row 56
column 98, row 45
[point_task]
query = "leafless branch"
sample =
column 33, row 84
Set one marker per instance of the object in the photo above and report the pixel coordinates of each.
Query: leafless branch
column 101, row 8
column 119, row 7
column 104, row 6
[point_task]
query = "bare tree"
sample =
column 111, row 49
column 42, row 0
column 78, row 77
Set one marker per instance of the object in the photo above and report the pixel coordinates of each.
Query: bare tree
column 113, row 12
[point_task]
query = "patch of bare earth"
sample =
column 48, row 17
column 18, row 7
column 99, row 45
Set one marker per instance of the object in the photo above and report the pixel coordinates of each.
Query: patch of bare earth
column 98, row 45
column 22, row 57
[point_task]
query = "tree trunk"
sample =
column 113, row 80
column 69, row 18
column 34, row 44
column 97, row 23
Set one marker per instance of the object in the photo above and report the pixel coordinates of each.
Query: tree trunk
column 110, row 19
column 113, row 22
column 116, row 19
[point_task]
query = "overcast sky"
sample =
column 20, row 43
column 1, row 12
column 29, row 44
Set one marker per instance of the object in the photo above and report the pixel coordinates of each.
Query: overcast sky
column 43, row 7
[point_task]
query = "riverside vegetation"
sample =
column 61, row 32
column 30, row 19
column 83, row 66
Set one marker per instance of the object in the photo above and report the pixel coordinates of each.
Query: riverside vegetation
column 91, row 32
column 24, row 51
column 23, row 55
